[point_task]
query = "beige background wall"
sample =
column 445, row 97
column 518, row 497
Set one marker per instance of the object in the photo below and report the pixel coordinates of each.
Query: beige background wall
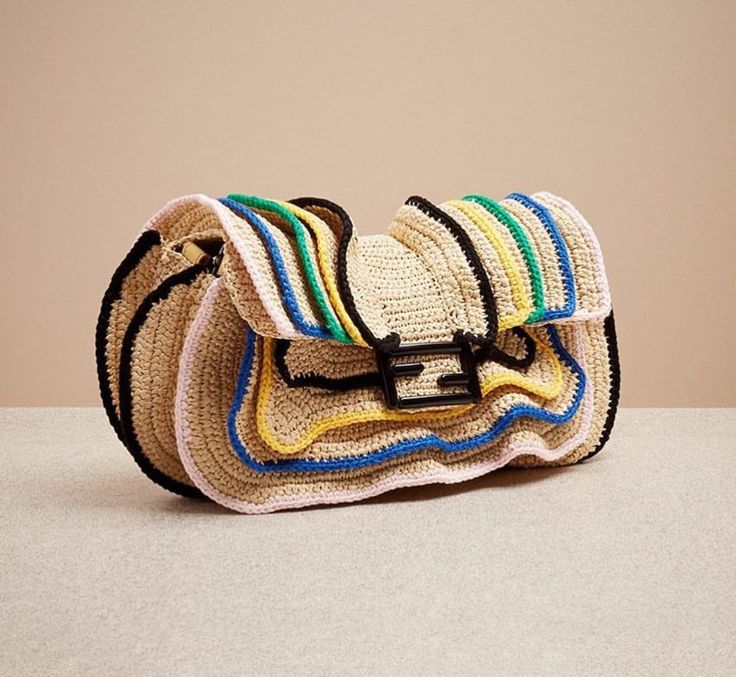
column 627, row 108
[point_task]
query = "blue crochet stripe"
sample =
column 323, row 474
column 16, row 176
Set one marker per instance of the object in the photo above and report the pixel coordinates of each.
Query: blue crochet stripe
column 568, row 279
column 287, row 291
column 406, row 446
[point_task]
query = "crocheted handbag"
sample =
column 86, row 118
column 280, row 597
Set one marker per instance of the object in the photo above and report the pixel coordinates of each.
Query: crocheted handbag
column 262, row 354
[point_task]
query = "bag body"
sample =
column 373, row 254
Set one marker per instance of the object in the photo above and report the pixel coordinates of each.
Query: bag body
column 262, row 354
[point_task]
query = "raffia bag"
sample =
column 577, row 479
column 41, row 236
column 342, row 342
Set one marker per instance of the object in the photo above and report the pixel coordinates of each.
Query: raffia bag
column 261, row 354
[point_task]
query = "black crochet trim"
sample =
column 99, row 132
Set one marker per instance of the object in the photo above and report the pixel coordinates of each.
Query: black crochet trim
column 346, row 294
column 495, row 354
column 614, row 365
column 186, row 276
column 373, row 379
column 471, row 255
column 142, row 246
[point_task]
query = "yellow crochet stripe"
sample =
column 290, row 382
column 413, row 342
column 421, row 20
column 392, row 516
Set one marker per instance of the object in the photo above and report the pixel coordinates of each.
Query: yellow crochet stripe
column 518, row 293
column 384, row 414
column 324, row 249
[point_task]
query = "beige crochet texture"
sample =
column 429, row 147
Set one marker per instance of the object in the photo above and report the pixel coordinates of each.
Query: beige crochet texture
column 205, row 404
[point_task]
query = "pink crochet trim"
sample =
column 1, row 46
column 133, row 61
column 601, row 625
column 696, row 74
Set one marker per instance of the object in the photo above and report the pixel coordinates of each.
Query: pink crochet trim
column 604, row 306
column 181, row 418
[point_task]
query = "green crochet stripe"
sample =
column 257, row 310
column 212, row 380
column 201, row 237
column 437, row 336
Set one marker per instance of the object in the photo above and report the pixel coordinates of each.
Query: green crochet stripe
column 522, row 241
column 254, row 202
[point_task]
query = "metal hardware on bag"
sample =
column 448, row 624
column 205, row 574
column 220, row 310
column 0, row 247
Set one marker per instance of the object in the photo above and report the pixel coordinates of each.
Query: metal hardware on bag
column 199, row 257
column 193, row 253
column 467, row 377
column 216, row 262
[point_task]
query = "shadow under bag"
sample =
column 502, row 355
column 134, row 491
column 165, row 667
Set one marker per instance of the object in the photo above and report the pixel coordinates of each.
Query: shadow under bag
column 262, row 354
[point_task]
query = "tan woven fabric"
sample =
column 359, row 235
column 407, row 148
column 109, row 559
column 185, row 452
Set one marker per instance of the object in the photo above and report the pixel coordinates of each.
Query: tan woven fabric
column 267, row 374
column 208, row 452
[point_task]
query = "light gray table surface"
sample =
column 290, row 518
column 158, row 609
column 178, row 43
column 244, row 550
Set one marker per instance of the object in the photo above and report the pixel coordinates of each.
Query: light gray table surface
column 625, row 565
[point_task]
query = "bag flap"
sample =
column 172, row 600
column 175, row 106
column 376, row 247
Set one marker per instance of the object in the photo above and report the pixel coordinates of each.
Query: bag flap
column 471, row 267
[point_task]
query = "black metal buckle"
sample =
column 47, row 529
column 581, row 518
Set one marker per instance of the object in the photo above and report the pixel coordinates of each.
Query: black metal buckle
column 468, row 376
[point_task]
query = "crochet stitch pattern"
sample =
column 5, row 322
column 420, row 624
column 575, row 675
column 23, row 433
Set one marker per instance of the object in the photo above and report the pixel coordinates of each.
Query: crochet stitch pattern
column 547, row 391
column 289, row 298
column 281, row 210
column 260, row 353
column 143, row 245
